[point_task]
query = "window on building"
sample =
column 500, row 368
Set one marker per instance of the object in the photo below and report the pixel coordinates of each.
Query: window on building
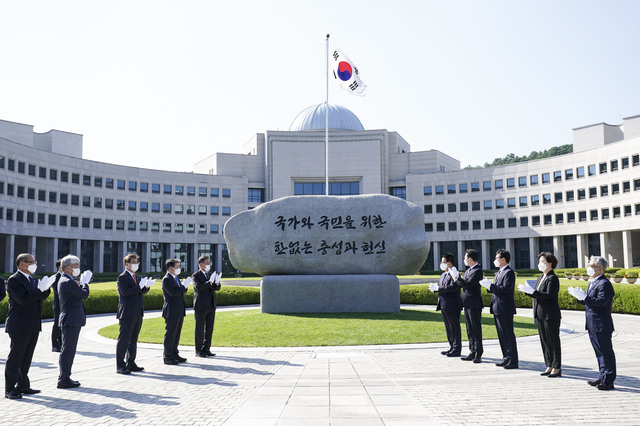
column 108, row 203
column 86, row 222
column 399, row 191
column 108, row 224
column 559, row 218
column 75, row 200
column 593, row 192
column 463, row 188
column 568, row 174
column 20, row 193
column 213, row 229
column 626, row 187
column 97, row 202
column 166, row 208
column 594, row 214
column 226, row 211
column 226, row 192
column 488, row 205
column 500, row 204
column 178, row 189
column 523, row 201
column 453, row 226
column 512, row 223
column 119, row 204
column 32, row 169
column 464, row 225
column 475, row 225
column 86, row 201
column 603, row 168
column 535, row 220
column 120, row 184
column 167, row 189
column 511, row 202
column 616, row 212
column 53, row 174
column 42, row 195
column 451, row 189
column 144, row 226
column 635, row 160
column 144, row 187
column 428, row 209
column 615, row 188
column 580, row 172
column 214, row 192
column 451, row 207
column 522, row 181
column 191, row 228
column 499, row 223
column 202, row 210
column 155, row 207
column 202, row 192
column 428, row 227
column 132, row 206
column 604, row 190
column 498, row 184
column 108, row 183
column 524, row 221
column 144, row 206
column 535, row 200
column 155, row 189
column 605, row 213
column 213, row 210
column 533, row 180
column 488, row 224
column 42, row 172
column 591, row 169
column 486, row 185
column 581, row 194
column 557, row 176
column 155, row 226
column 464, row 206
column 74, row 221
column 511, row 182
column 31, row 193
column 439, row 208
column 475, row 186
column 427, row 190
column 571, row 217
column 627, row 211
column 614, row 165
column 440, row 227
column 191, row 209
column 557, row 197
column 166, row 227
column 439, row 189
column 636, row 184
column 546, row 178
column 133, row 186
column 475, row 206
column 569, row 196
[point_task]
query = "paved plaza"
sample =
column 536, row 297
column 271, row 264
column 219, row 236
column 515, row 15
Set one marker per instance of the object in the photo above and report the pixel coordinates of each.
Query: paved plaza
column 372, row 385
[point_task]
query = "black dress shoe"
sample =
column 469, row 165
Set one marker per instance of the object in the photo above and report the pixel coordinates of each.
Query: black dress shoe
column 209, row 353
column 604, row 386
column 29, row 391
column 68, row 384
column 468, row 357
column 503, row 363
column 55, row 349
column 452, row 354
column 171, row 361
column 13, row 394
column 134, row 368
column 558, row 374
column 546, row 373
column 477, row 360
column 180, row 359
column 595, row 382
column 123, row 370
column 201, row 354
column 511, row 366
column 445, row 352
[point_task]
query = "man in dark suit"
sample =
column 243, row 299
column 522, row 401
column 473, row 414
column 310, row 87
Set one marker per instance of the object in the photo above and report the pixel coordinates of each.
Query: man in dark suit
column 3, row 291
column 472, row 303
column 56, row 334
column 23, row 326
column 204, row 306
column 72, row 316
column 450, row 304
column 503, row 308
column 173, row 311
column 597, row 306
column 130, row 313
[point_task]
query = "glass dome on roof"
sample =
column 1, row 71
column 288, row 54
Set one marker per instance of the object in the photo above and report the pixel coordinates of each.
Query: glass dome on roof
column 313, row 118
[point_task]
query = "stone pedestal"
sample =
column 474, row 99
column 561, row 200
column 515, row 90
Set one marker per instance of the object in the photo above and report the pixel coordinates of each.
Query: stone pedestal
column 329, row 293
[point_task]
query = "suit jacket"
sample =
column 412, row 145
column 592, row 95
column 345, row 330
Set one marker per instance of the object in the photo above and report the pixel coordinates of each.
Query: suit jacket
column 72, row 313
column 25, row 305
column 545, row 297
column 172, row 292
column 597, row 305
column 448, row 294
column 204, row 297
column 471, row 295
column 502, row 301
column 3, row 291
column 130, row 300
column 56, row 298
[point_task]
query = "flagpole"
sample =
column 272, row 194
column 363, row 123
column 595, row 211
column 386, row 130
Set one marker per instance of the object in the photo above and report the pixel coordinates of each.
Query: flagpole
column 326, row 130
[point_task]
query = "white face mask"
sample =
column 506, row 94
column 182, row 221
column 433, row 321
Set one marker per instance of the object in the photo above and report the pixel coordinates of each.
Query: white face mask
column 443, row 266
column 134, row 267
column 177, row 271
column 32, row 268
column 207, row 268
column 590, row 271
column 466, row 262
column 496, row 263
column 76, row 272
column 542, row 267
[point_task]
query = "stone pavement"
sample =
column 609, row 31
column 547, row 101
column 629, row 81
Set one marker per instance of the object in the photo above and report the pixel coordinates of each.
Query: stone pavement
column 372, row 385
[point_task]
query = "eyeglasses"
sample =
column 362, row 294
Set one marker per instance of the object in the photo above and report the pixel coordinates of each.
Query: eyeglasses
column 30, row 262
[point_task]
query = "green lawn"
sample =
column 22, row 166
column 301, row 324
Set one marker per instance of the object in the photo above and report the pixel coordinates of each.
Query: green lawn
column 250, row 328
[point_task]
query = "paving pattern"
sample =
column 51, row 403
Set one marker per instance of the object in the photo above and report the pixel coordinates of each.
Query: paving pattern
column 364, row 385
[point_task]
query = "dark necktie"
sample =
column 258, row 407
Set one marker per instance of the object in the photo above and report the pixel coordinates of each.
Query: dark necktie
column 32, row 281
column 177, row 280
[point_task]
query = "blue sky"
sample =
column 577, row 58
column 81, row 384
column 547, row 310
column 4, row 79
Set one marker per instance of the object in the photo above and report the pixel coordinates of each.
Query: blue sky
column 163, row 84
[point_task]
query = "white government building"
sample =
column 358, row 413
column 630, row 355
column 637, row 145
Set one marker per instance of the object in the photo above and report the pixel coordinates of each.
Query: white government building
column 53, row 202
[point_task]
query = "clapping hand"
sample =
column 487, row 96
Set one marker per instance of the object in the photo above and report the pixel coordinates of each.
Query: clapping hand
column 577, row 292
column 150, row 282
column 486, row 283
column 45, row 283
column 525, row 288
column 186, row 282
column 433, row 287
column 218, row 277
column 454, row 273
column 212, row 278
column 143, row 282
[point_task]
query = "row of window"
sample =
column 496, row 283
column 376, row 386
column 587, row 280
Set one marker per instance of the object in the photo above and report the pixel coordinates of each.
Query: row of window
column 98, row 223
column 522, row 181
column 97, row 181
column 335, row 188
column 535, row 200
column 536, row 220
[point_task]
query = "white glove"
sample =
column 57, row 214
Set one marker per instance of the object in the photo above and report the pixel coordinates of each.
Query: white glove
column 212, row 278
column 150, row 282
column 186, row 282
column 218, row 276
column 143, row 282
column 486, row 283
column 45, row 283
column 525, row 288
column 454, row 273
column 433, row 287
column 86, row 277
column 577, row 292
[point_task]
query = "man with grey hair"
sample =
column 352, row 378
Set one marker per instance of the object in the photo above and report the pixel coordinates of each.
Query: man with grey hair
column 72, row 315
column 599, row 324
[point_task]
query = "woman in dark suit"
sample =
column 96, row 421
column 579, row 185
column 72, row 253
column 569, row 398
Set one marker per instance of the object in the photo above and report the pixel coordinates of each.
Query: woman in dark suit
column 546, row 313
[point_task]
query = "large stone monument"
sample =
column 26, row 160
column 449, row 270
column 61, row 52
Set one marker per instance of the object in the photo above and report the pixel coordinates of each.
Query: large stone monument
column 329, row 253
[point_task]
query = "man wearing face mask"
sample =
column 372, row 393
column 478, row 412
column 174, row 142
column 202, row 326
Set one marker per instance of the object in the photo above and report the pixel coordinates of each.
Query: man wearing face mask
column 503, row 308
column 23, row 326
column 72, row 316
column 130, row 313
column 204, row 306
column 173, row 311
column 472, row 303
column 450, row 304
column 597, row 305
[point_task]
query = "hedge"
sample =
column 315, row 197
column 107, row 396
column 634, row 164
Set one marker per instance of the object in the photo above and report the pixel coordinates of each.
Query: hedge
column 106, row 301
